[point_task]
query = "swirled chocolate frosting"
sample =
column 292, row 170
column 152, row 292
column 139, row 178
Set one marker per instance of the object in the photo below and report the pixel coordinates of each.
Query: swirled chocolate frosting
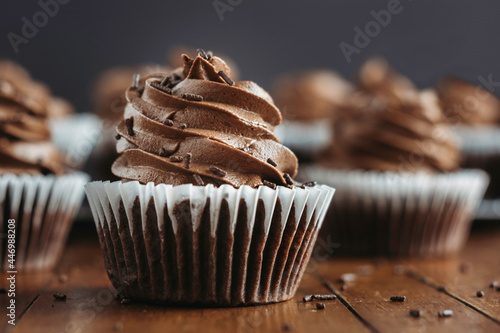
column 465, row 103
column 25, row 106
column 388, row 125
column 198, row 126
column 310, row 95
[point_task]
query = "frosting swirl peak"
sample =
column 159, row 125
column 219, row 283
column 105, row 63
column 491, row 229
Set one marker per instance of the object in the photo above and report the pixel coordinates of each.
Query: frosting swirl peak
column 197, row 126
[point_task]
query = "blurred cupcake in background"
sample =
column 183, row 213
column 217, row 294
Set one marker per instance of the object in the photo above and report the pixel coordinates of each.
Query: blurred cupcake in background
column 207, row 211
column 395, row 164
column 39, row 193
column 309, row 101
column 475, row 114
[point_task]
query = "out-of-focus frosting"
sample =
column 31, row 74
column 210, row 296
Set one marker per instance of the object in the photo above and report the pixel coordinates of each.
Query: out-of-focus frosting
column 25, row 106
column 388, row 125
column 465, row 103
column 108, row 94
column 310, row 95
column 200, row 127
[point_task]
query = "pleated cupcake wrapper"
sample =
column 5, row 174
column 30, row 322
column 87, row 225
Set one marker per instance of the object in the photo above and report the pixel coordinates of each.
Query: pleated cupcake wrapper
column 76, row 137
column 43, row 208
column 305, row 138
column 400, row 214
column 206, row 245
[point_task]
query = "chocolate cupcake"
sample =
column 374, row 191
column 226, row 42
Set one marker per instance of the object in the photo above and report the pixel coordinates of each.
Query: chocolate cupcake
column 39, row 195
column 310, row 101
column 207, row 211
column 475, row 114
column 394, row 162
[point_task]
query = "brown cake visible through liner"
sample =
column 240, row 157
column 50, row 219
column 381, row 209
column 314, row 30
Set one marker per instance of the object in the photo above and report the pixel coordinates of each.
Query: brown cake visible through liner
column 196, row 267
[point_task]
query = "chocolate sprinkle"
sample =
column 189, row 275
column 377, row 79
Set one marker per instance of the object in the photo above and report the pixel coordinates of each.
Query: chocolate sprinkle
column 192, row 97
column 310, row 184
column 135, row 81
column 217, row 171
column 445, row 313
column 308, row 298
column 325, row 297
column 125, row 301
column 165, row 81
column 480, row 293
column 118, row 137
column 163, row 152
column 269, row 184
column 287, row 327
column 272, row 162
column 187, row 160
column 59, row 297
column 169, row 122
column 197, row 180
column 226, row 78
column 319, row 297
column 415, row 313
column 494, row 284
column 343, row 287
column 176, row 159
column 398, row 298
column 288, row 179
column 320, row 306
column 161, row 87
column 129, row 122
column 202, row 54
column 182, row 126
column 174, row 79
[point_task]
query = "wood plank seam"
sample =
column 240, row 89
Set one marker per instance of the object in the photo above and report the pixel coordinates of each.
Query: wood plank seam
column 428, row 281
column 45, row 287
column 347, row 305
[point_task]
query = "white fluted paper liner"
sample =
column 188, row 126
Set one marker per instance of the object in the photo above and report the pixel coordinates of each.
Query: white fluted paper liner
column 201, row 244
column 400, row 214
column 43, row 208
column 76, row 136
column 306, row 138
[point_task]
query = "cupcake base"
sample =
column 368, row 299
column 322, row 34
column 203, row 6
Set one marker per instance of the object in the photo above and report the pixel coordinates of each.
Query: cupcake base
column 205, row 245
column 400, row 215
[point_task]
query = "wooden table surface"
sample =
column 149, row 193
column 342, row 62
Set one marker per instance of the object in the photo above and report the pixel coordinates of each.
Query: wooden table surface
column 363, row 305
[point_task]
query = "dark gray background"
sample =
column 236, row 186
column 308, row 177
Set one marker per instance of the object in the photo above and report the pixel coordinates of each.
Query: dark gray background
column 427, row 40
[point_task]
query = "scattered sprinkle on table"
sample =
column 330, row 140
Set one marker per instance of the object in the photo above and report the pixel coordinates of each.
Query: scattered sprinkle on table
column 480, row 293
column 445, row 313
column 415, row 313
column 320, row 306
column 398, row 298
column 59, row 297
